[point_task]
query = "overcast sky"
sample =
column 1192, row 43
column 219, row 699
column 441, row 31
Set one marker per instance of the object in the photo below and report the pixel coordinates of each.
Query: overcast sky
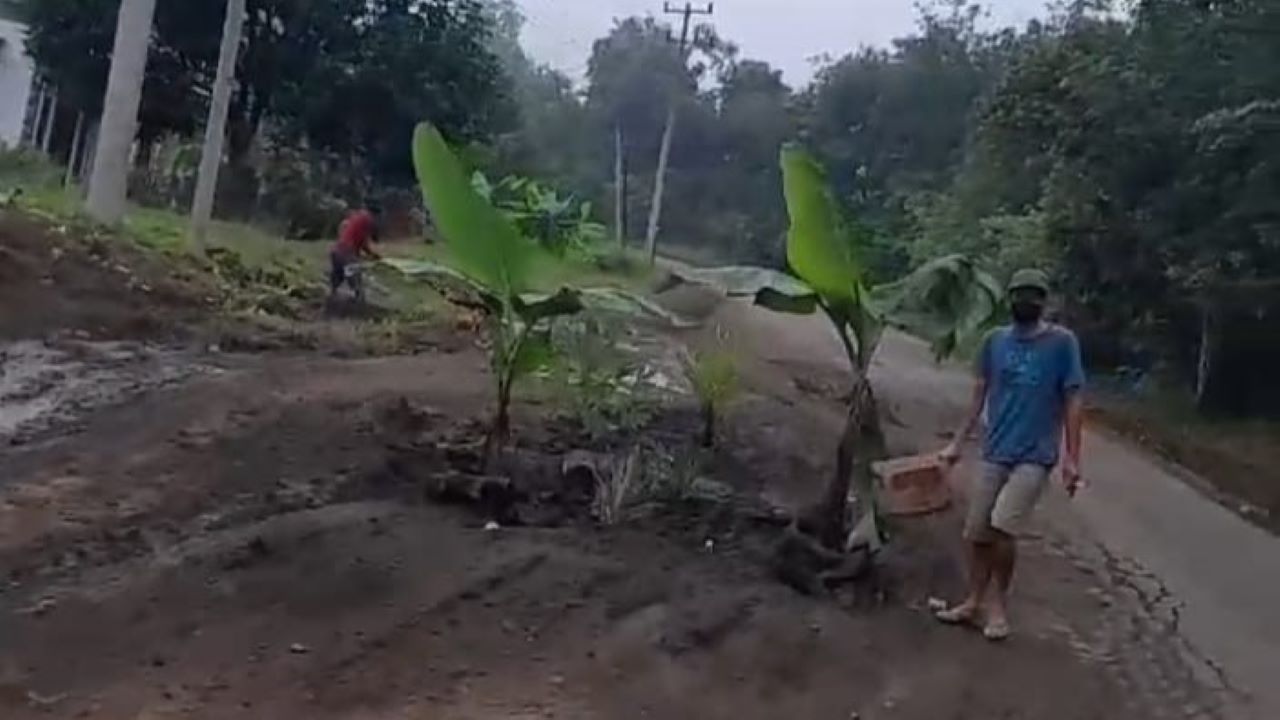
column 787, row 33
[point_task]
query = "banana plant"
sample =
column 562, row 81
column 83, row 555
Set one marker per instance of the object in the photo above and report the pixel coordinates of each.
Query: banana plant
column 947, row 299
column 559, row 224
column 494, row 268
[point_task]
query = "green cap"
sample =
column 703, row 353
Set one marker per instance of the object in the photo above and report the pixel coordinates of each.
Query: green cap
column 1030, row 278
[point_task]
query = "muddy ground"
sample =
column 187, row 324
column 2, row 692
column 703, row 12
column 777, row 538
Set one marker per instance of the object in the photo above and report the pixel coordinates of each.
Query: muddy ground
column 186, row 533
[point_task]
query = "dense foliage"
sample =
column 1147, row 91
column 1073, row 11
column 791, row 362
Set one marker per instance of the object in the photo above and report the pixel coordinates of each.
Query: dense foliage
column 1131, row 153
column 343, row 76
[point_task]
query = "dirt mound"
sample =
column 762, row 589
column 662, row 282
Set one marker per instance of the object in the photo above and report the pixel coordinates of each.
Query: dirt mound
column 55, row 278
column 261, row 582
column 279, row 538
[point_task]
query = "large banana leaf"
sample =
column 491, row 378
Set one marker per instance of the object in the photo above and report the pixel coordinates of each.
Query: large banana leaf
column 947, row 300
column 483, row 243
column 448, row 281
column 820, row 249
column 535, row 306
column 613, row 300
column 532, row 307
column 769, row 288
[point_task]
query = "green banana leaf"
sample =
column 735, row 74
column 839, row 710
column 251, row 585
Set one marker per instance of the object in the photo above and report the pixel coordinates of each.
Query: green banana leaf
column 820, row 249
column 482, row 242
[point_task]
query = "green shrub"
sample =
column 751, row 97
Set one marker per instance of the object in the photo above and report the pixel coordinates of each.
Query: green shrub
column 713, row 374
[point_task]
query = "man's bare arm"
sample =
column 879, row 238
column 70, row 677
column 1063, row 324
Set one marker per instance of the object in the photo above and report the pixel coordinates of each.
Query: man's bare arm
column 979, row 399
column 1073, row 432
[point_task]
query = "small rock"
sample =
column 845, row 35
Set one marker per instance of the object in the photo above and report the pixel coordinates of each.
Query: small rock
column 44, row 701
column 40, row 609
column 299, row 649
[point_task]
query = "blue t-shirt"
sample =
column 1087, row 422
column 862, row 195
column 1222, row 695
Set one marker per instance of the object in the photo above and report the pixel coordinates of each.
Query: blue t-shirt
column 1028, row 380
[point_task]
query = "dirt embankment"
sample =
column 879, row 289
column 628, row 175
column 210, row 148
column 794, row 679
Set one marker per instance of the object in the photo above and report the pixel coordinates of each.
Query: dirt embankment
column 240, row 546
column 259, row 535
column 60, row 280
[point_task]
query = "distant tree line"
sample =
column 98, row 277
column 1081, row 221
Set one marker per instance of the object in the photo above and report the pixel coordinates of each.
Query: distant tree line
column 338, row 84
column 1136, row 156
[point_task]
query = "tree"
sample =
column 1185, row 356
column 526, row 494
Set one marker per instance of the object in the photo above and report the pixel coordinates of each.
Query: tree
column 107, row 185
column 403, row 61
column 307, row 69
column 551, row 137
column 743, row 214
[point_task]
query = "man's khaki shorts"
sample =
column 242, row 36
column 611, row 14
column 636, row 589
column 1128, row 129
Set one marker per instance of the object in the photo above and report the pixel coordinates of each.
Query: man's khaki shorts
column 1002, row 497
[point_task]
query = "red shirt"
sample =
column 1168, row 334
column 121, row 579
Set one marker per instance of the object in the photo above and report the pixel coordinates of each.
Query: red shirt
column 356, row 233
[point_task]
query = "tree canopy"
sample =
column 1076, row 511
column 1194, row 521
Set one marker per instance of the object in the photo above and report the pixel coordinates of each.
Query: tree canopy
column 1099, row 145
column 345, row 75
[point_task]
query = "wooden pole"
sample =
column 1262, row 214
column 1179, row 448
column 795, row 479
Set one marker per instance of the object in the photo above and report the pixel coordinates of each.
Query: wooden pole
column 668, row 134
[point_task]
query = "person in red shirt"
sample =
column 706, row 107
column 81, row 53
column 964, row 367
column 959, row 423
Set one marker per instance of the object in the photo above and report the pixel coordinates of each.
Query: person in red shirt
column 355, row 241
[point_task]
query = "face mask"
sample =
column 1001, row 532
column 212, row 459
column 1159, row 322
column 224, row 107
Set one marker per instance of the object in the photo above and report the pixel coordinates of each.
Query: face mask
column 1027, row 313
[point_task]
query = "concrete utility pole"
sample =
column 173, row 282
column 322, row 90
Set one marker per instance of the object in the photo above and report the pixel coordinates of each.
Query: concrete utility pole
column 73, row 160
column 619, row 188
column 664, row 153
column 215, row 129
column 108, row 184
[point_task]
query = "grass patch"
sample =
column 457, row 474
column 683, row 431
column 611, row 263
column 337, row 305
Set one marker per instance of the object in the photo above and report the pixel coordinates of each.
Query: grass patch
column 250, row 264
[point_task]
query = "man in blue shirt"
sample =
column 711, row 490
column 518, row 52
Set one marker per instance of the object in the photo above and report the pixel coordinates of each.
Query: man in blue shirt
column 1029, row 377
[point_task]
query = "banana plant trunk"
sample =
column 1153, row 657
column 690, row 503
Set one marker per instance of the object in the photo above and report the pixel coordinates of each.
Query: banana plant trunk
column 500, row 431
column 708, row 424
column 861, row 441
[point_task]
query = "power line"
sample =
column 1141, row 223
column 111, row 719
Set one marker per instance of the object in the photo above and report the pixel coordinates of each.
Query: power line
column 688, row 11
column 664, row 152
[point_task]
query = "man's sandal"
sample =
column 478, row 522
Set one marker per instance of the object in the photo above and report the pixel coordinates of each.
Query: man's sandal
column 958, row 615
column 997, row 630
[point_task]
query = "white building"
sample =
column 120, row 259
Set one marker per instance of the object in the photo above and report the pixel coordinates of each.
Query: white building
column 17, row 85
column 30, row 114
